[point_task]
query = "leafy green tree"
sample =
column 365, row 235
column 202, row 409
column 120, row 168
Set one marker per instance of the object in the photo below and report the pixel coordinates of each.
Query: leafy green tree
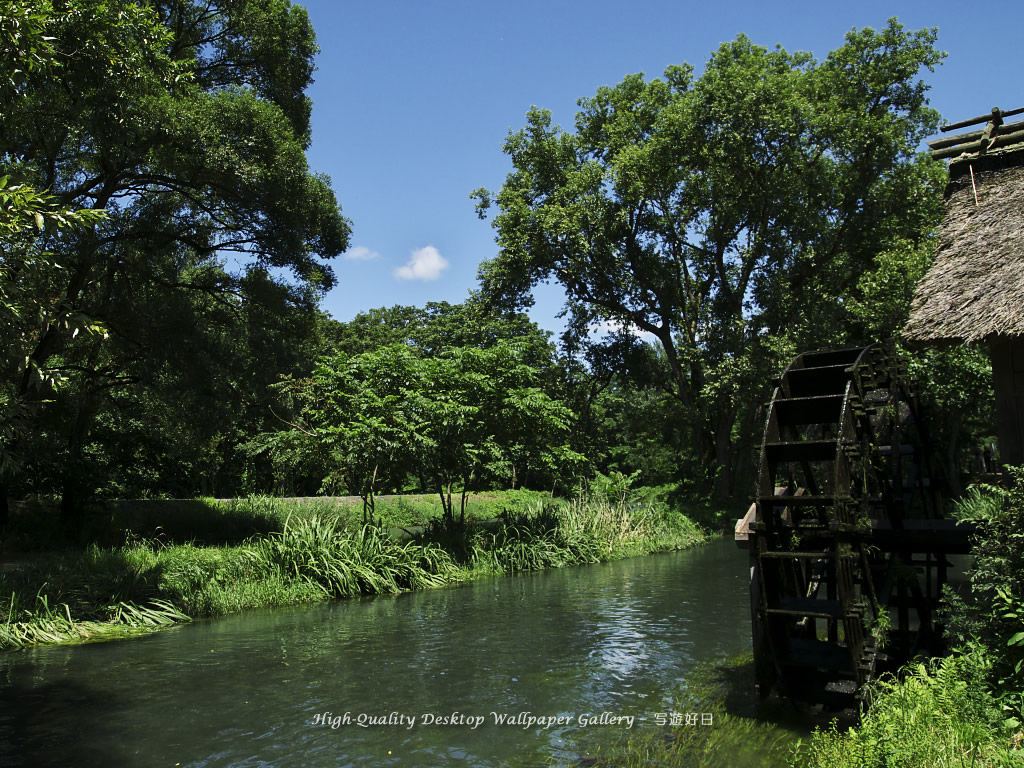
column 956, row 381
column 188, row 123
column 24, row 46
column 642, row 427
column 482, row 412
column 727, row 215
column 429, row 329
column 25, row 213
column 376, row 328
column 462, row 416
column 356, row 409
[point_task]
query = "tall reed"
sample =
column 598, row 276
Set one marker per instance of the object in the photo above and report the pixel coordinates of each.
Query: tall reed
column 319, row 551
column 584, row 531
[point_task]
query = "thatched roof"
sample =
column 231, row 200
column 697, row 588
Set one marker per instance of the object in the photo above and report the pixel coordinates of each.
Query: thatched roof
column 975, row 287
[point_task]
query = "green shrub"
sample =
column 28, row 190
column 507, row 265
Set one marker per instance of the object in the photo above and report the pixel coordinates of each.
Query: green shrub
column 991, row 612
column 529, row 542
column 461, row 540
column 941, row 716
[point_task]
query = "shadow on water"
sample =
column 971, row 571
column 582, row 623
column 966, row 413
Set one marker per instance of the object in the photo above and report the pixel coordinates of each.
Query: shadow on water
column 246, row 690
column 36, row 732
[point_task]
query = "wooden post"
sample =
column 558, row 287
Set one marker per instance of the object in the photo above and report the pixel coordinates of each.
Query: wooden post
column 1008, row 377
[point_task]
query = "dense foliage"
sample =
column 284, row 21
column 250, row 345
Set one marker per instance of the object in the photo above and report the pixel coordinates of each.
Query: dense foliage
column 187, row 123
column 731, row 215
column 450, row 417
column 941, row 715
column 991, row 611
column 968, row 708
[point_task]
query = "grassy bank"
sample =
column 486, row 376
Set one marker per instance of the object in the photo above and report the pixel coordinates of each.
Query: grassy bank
column 942, row 715
column 714, row 722
column 306, row 552
column 35, row 525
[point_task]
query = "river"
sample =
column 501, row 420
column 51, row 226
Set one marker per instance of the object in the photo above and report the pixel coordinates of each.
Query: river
column 418, row 679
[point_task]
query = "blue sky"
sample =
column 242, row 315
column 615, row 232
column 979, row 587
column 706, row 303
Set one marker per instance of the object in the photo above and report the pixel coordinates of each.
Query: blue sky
column 413, row 100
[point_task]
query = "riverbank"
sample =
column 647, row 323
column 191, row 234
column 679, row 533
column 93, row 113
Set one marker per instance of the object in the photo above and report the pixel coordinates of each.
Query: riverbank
column 715, row 721
column 303, row 553
column 966, row 709
column 941, row 715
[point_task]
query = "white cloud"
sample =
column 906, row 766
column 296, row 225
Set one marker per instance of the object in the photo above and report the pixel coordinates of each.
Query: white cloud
column 425, row 264
column 608, row 327
column 604, row 327
column 361, row 253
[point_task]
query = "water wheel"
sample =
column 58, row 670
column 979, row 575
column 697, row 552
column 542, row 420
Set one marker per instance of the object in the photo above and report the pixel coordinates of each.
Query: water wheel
column 847, row 548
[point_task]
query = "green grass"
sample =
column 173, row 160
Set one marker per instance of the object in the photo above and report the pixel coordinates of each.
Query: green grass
column 940, row 716
column 35, row 527
column 422, row 509
column 100, row 592
column 344, row 562
column 724, row 732
column 42, row 623
column 307, row 552
column 554, row 535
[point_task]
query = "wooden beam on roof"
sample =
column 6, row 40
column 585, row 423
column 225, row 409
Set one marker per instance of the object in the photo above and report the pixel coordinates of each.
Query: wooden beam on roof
column 995, row 115
column 982, row 144
column 995, row 134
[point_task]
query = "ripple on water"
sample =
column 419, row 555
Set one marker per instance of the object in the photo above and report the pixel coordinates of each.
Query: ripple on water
column 246, row 690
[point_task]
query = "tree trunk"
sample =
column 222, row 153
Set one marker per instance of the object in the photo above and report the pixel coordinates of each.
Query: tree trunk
column 75, row 488
column 952, row 450
column 5, row 510
column 446, row 502
column 724, row 456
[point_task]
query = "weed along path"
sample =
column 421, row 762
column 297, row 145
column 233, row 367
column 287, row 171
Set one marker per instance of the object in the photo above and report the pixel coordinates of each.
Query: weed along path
column 534, row 669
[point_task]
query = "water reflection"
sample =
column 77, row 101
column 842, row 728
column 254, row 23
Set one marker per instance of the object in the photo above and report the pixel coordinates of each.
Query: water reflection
column 247, row 690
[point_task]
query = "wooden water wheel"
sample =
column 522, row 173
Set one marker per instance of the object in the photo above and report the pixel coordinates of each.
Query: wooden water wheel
column 847, row 545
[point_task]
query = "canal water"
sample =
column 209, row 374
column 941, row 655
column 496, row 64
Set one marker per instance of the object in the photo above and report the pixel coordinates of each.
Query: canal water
column 440, row 677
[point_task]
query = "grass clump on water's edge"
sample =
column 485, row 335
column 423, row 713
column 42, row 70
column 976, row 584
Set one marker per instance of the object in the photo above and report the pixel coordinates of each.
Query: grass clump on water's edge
column 102, row 591
column 711, row 723
column 148, row 583
column 942, row 715
column 581, row 532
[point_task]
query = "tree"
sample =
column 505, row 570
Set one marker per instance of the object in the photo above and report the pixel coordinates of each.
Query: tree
column 956, row 381
column 482, row 412
column 729, row 215
column 462, row 415
column 188, row 123
column 25, row 213
column 429, row 329
column 356, row 410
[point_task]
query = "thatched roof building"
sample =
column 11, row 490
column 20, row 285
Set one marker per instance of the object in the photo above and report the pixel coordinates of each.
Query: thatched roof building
column 974, row 290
